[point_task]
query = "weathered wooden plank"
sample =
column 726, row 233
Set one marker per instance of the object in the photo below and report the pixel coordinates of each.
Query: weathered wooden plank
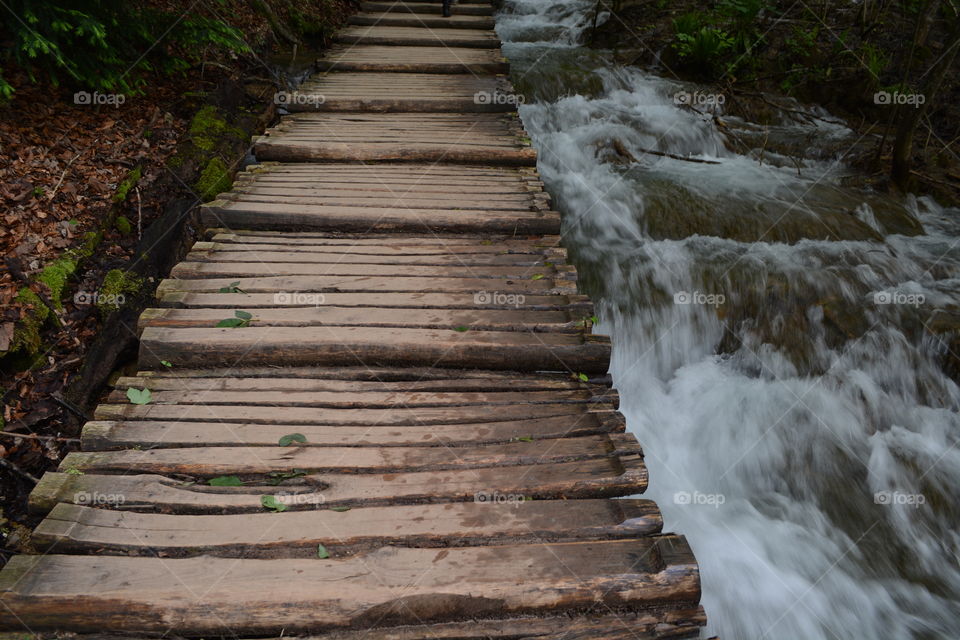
column 396, row 416
column 414, row 59
column 267, row 215
column 208, row 462
column 496, row 288
column 107, row 435
column 467, row 9
column 296, row 534
column 293, row 267
column 681, row 624
column 389, row 586
column 242, row 380
column 368, row 399
column 418, row 37
column 384, row 346
column 439, row 254
column 325, row 315
column 391, row 19
column 576, row 306
column 595, row 478
column 369, row 374
column 442, row 151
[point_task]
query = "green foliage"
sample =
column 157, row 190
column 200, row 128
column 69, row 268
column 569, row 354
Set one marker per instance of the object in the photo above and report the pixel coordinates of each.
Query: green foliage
column 106, row 45
column 704, row 49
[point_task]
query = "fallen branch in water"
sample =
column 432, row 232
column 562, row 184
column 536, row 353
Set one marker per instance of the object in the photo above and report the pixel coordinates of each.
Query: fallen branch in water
column 623, row 152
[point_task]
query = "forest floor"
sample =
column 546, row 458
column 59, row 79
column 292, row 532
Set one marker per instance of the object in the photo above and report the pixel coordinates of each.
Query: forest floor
column 81, row 184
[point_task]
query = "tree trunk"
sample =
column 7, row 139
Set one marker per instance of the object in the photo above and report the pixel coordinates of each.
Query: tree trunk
column 911, row 116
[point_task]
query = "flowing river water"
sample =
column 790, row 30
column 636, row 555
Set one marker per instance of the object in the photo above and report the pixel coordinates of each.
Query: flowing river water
column 781, row 341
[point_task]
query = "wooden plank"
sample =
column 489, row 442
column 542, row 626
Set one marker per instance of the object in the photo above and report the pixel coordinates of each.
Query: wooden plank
column 480, row 301
column 441, row 253
column 266, row 215
column 293, row 267
column 370, row 374
column 296, row 534
column 396, row 416
column 582, row 479
column 471, row 9
column 208, row 462
column 384, row 346
column 418, row 37
column 392, row 19
column 328, row 285
column 242, row 380
column 413, row 59
column 673, row 625
column 366, row 399
column 324, row 315
column 109, row 435
column 389, row 586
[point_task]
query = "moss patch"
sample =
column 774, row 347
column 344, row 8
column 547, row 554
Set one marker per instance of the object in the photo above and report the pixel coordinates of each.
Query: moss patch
column 55, row 276
column 214, row 179
column 207, row 127
column 117, row 289
column 128, row 183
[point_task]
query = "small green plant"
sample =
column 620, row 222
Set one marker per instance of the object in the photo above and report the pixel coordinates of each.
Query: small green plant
column 225, row 481
column 239, row 319
column 322, row 552
column 271, row 502
column 233, row 287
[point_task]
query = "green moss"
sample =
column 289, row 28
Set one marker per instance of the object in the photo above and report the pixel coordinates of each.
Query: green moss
column 207, row 127
column 26, row 335
column 123, row 224
column 175, row 162
column 55, row 276
column 128, row 183
column 214, row 179
column 117, row 289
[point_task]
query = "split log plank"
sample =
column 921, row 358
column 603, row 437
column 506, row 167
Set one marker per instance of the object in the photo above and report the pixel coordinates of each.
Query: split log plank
column 512, row 520
column 389, row 346
column 112, row 435
column 208, row 462
column 582, row 479
column 207, row 595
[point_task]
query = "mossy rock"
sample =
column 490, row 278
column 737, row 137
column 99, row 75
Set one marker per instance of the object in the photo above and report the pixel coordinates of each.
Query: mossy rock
column 208, row 127
column 214, row 179
column 118, row 288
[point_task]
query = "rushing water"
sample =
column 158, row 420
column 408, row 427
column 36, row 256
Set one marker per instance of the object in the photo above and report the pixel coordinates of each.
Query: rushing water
column 780, row 342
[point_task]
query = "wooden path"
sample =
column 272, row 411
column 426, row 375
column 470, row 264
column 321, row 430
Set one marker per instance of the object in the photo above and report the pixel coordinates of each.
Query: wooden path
column 376, row 407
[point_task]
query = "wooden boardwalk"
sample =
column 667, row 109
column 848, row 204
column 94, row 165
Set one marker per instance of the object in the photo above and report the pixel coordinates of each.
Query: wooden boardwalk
column 376, row 407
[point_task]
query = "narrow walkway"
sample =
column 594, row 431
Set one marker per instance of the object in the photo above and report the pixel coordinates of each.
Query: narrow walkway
column 376, row 409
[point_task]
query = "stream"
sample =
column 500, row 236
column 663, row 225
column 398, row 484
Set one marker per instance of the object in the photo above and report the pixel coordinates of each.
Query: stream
column 781, row 340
